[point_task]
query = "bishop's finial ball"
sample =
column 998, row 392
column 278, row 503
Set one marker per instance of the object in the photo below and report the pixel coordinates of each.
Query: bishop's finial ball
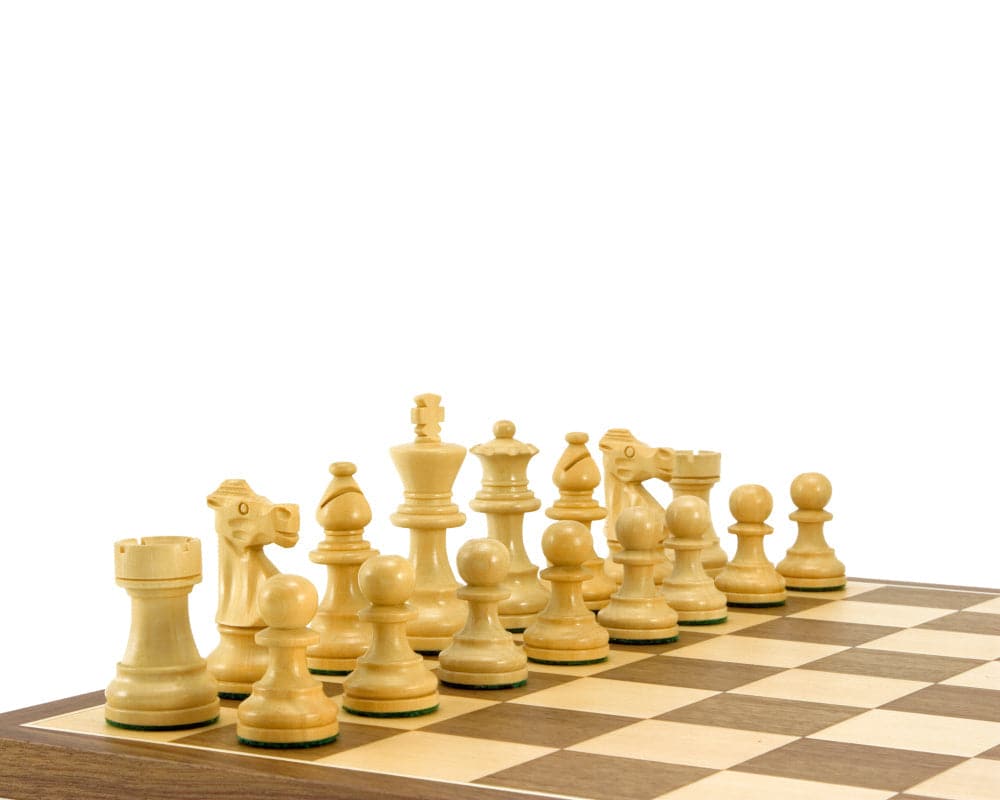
column 387, row 580
column 577, row 437
column 639, row 528
column 688, row 517
column 811, row 491
column 566, row 543
column 483, row 562
column 342, row 469
column 750, row 503
column 288, row 601
column 504, row 429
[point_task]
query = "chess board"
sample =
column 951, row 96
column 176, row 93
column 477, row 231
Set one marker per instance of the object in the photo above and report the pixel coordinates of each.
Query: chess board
column 876, row 691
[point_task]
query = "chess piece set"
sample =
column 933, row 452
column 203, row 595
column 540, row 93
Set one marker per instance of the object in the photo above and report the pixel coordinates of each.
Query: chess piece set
column 381, row 614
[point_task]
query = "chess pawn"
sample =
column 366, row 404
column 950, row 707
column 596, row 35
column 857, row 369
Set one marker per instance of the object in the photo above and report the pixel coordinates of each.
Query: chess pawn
column 483, row 655
column 505, row 498
column 390, row 679
column 695, row 473
column 287, row 706
column 638, row 613
column 810, row 565
column 750, row 579
column 343, row 512
column 566, row 632
column 690, row 592
column 576, row 476
column 245, row 523
column 428, row 468
column 162, row 683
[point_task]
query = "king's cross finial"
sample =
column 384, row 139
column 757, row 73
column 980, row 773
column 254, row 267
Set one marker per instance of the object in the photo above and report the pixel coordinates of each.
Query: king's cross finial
column 427, row 417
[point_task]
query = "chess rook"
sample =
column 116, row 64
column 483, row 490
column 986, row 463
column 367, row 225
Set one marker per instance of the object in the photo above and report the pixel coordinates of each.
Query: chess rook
column 162, row 682
column 245, row 523
column 483, row 655
column 695, row 473
column 811, row 565
column 343, row 512
column 627, row 463
column 690, row 592
column 287, row 706
column 750, row 579
column 390, row 679
column 428, row 468
column 576, row 476
column 638, row 613
column 566, row 631
column 505, row 498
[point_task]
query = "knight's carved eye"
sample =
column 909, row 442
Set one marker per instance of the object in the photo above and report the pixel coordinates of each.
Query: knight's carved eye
column 630, row 452
column 244, row 508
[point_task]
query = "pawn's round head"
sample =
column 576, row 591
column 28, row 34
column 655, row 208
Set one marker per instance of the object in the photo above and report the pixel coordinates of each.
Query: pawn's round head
column 639, row 528
column 567, row 543
column 811, row 491
column 688, row 517
column 483, row 562
column 288, row 601
column 750, row 503
column 577, row 437
column 387, row 580
column 504, row 429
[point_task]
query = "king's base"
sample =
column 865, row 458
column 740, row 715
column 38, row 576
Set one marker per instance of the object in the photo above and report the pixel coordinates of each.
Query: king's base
column 292, row 737
column 541, row 655
column 402, row 707
column 474, row 680
column 175, row 719
column 332, row 666
column 815, row 584
column 751, row 600
column 651, row 636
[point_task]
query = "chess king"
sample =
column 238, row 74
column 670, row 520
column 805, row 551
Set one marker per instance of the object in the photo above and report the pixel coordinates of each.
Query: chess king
column 245, row 523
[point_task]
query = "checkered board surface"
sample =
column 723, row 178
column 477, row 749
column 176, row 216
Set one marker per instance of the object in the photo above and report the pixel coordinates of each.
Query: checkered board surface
column 875, row 691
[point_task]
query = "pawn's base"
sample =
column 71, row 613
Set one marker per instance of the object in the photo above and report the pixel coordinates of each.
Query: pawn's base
column 756, row 600
column 597, row 604
column 815, row 584
column 517, row 623
column 542, row 655
column 402, row 707
column 650, row 636
column 474, row 680
column 715, row 620
column 331, row 666
column 283, row 739
column 733, row 604
column 429, row 645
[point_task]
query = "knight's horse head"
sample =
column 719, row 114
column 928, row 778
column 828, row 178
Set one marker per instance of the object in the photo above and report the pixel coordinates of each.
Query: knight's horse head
column 246, row 519
column 632, row 461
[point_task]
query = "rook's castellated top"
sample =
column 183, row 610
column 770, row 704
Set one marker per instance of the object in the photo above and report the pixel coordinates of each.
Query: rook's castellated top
column 158, row 558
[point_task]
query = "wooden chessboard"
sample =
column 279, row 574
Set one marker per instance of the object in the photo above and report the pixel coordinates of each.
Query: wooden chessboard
column 877, row 691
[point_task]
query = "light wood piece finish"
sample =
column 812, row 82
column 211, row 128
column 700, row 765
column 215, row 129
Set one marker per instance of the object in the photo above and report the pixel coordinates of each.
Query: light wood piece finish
column 811, row 564
column 287, row 707
column 483, row 655
column 428, row 468
column 161, row 682
column 689, row 590
column 505, row 498
column 343, row 512
column 566, row 631
column 638, row 613
column 576, row 476
column 390, row 679
column 627, row 463
column 695, row 473
column 246, row 522
column 750, row 579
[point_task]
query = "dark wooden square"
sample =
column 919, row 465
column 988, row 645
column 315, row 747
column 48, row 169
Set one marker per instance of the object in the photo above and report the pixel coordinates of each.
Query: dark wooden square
column 691, row 673
column 967, row 622
column 886, row 664
column 766, row 714
column 919, row 596
column 951, row 701
column 817, row 631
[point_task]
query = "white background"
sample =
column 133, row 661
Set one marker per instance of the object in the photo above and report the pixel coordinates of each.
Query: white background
column 238, row 238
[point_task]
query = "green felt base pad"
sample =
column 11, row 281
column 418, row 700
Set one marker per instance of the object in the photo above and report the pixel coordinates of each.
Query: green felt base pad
column 569, row 663
column 330, row 671
column 391, row 714
column 613, row 640
column 287, row 745
column 756, row 605
column 816, row 588
column 718, row 621
column 233, row 696
column 188, row 726
column 476, row 686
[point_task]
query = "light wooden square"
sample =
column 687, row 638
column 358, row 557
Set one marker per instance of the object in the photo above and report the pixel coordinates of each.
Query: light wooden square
column 907, row 731
column 91, row 721
column 850, row 590
column 986, row 676
column 873, row 613
column 620, row 698
column 683, row 743
column 975, row 779
column 991, row 606
column 761, row 652
column 939, row 643
column 836, row 688
column 747, row 786
column 436, row 756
